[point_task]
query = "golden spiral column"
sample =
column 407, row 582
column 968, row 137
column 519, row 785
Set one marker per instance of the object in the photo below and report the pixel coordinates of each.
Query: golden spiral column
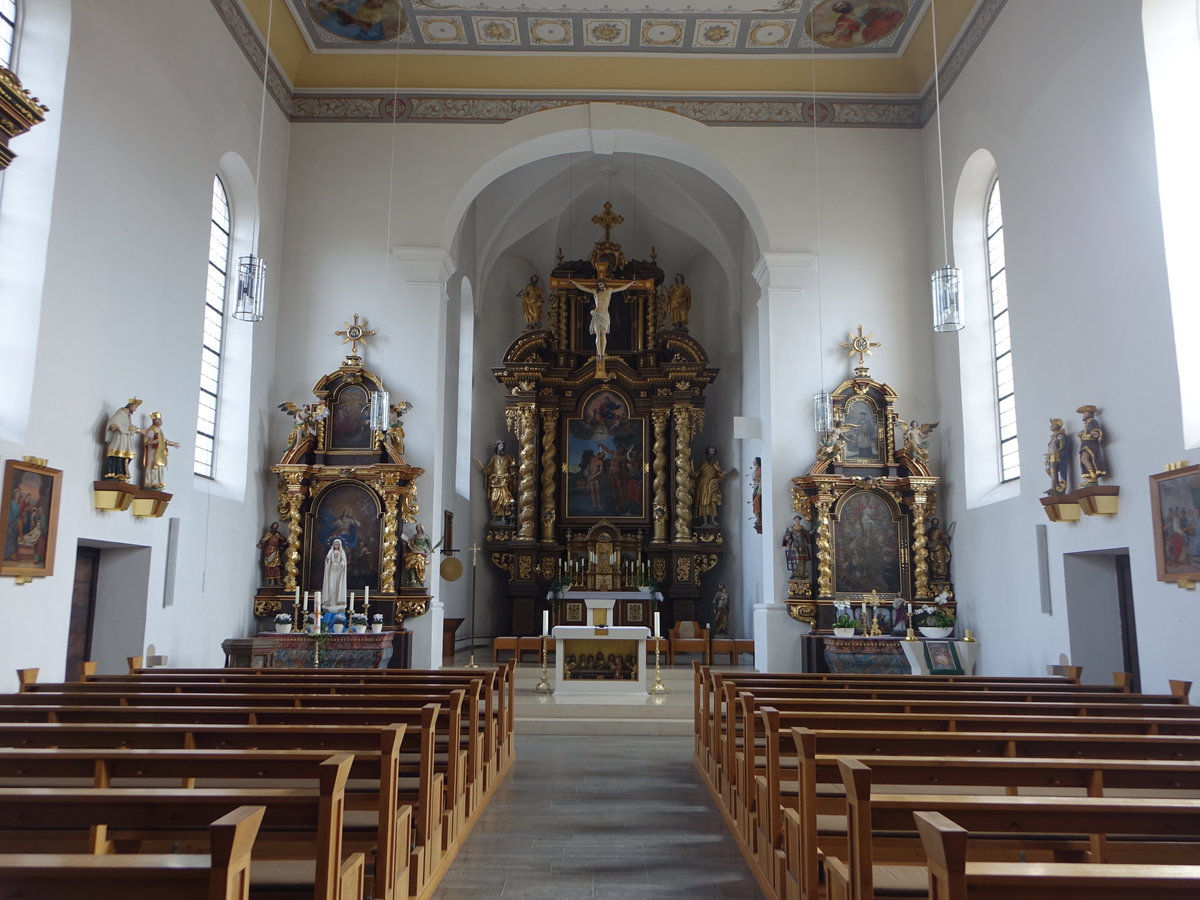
column 389, row 542
column 291, row 495
column 684, row 485
column 824, row 541
column 521, row 419
column 549, row 451
column 660, row 476
column 920, row 563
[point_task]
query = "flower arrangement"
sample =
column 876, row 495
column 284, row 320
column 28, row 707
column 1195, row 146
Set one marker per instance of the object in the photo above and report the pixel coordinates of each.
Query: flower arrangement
column 339, row 618
column 845, row 618
column 935, row 614
column 283, row 618
column 358, row 618
column 377, row 619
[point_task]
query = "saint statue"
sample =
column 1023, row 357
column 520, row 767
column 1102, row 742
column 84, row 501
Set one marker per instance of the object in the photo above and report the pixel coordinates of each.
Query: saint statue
column 720, row 627
column 679, row 303
column 119, row 449
column 1056, row 458
column 708, row 487
column 937, row 550
column 500, row 474
column 416, row 556
column 531, row 303
column 333, row 582
column 272, row 545
column 756, row 494
column 1091, row 453
column 796, row 552
column 154, row 452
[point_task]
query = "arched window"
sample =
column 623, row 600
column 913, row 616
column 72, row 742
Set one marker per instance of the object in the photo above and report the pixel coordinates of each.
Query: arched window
column 8, row 31
column 1002, row 362
column 214, row 331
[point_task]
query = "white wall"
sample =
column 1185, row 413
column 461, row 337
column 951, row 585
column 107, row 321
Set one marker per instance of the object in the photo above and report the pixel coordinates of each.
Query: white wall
column 145, row 119
column 1069, row 126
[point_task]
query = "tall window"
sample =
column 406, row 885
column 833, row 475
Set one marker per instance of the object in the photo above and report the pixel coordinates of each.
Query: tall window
column 214, row 331
column 8, row 31
column 1006, row 401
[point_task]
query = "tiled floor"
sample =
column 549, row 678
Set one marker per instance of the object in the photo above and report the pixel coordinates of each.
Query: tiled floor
column 614, row 817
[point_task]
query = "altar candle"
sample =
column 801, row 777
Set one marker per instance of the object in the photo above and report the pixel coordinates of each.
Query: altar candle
column 545, row 621
column 350, row 605
column 657, row 627
column 306, row 601
column 366, row 597
column 297, row 595
column 909, row 605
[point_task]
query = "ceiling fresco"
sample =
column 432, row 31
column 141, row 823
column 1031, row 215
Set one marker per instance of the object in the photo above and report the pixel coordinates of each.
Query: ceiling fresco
column 852, row 27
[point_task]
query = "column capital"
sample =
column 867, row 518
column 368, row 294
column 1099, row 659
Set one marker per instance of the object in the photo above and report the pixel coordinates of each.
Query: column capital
column 423, row 266
column 785, row 271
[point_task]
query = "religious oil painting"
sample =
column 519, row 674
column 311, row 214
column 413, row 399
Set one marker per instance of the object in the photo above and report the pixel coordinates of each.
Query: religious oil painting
column 349, row 512
column 1175, row 499
column 845, row 24
column 863, row 443
column 599, row 660
column 866, row 545
column 350, row 422
column 942, row 658
column 605, row 460
column 369, row 21
column 30, row 519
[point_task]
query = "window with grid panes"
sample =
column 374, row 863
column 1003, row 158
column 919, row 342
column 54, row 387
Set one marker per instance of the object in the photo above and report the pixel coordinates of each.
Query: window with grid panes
column 8, row 31
column 214, row 331
column 1006, row 401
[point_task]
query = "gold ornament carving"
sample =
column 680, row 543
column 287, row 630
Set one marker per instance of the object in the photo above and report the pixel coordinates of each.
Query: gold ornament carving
column 683, row 569
column 410, row 608
column 705, row 562
column 524, row 567
column 389, row 542
column 824, row 541
column 684, row 485
column 660, row 475
column 549, row 451
column 659, row 566
column 503, row 561
column 266, row 607
column 521, row 420
column 803, row 612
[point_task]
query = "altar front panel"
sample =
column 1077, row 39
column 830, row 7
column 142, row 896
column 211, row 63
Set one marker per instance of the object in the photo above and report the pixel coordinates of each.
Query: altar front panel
column 600, row 660
column 864, row 655
column 333, row 651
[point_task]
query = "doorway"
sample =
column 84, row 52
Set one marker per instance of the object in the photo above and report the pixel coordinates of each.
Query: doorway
column 1100, row 615
column 83, row 610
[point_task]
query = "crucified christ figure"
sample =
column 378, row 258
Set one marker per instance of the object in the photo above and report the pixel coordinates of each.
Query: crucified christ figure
column 601, row 320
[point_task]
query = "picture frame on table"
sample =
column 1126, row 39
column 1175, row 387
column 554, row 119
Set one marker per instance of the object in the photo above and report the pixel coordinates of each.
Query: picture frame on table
column 29, row 519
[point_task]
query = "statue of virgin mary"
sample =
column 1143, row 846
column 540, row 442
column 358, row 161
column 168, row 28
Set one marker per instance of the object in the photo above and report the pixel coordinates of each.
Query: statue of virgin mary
column 333, row 583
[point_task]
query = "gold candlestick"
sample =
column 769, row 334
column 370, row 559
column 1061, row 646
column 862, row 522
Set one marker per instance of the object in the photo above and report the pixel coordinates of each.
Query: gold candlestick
column 544, row 686
column 658, row 688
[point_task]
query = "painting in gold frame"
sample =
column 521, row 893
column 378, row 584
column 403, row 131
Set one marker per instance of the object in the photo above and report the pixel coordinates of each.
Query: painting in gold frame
column 29, row 519
column 1175, row 502
column 606, row 451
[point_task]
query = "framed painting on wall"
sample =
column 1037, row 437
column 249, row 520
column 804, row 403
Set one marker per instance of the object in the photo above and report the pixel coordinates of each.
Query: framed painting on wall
column 1175, row 502
column 868, row 534
column 29, row 519
column 606, row 451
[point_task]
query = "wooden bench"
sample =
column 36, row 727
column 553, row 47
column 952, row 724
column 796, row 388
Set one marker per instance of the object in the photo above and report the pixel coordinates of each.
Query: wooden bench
column 505, row 644
column 952, row 877
column 222, row 874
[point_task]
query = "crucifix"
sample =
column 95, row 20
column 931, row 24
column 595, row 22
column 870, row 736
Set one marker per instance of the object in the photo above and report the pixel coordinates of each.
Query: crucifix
column 602, row 291
column 355, row 334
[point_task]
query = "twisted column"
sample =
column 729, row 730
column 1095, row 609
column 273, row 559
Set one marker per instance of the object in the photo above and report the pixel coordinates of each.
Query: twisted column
column 389, row 542
column 521, row 420
column 824, row 542
column 684, row 484
column 549, row 451
column 660, row 476
column 291, row 495
column 920, row 563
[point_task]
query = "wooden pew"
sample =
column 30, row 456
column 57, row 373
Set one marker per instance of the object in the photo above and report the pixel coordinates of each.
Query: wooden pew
column 298, row 824
column 222, row 874
column 952, row 877
column 1150, row 830
column 386, row 843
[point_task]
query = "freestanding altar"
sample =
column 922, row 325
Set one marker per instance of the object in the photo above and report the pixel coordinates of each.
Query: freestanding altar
column 600, row 660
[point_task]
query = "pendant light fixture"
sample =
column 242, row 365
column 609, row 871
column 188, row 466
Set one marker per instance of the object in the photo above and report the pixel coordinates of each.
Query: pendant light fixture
column 946, row 282
column 249, row 300
column 822, row 399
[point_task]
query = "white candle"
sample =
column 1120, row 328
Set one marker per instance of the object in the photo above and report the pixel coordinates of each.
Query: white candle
column 305, row 607
column 545, row 621
column 366, row 597
column 317, row 602
column 657, row 625
column 297, row 595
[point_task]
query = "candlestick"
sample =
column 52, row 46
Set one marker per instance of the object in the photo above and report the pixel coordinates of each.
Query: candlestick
column 297, row 595
column 657, row 624
column 366, row 597
column 350, row 605
column 545, row 621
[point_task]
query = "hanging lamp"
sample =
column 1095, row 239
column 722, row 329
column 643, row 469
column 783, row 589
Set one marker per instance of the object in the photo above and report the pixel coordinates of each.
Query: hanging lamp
column 946, row 282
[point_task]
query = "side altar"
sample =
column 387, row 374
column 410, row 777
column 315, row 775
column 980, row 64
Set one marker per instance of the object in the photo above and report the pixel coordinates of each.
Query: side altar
column 604, row 391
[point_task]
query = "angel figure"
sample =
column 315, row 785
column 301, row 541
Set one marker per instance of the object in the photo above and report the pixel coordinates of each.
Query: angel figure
column 916, row 439
column 833, row 441
column 305, row 419
column 395, row 432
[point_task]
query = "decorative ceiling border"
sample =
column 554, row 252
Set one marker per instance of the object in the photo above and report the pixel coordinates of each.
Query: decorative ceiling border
column 459, row 107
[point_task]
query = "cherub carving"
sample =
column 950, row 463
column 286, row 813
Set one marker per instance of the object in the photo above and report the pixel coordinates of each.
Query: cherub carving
column 833, row 442
column 916, row 439
column 305, row 419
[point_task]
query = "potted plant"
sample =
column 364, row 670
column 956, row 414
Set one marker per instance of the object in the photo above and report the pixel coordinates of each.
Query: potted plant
column 283, row 623
column 646, row 584
column 358, row 622
column 843, row 624
column 935, row 620
column 377, row 623
column 338, row 623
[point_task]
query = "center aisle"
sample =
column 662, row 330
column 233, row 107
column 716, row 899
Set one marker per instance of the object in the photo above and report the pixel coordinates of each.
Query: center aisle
column 615, row 817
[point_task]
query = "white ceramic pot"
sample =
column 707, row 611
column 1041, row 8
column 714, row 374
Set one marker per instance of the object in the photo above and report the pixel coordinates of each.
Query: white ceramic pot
column 376, row 627
column 930, row 631
column 338, row 627
column 360, row 629
column 283, row 627
column 843, row 632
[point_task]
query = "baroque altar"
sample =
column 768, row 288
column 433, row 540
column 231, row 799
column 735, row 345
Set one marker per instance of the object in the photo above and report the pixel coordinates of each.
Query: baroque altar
column 341, row 478
column 605, row 395
column 875, row 538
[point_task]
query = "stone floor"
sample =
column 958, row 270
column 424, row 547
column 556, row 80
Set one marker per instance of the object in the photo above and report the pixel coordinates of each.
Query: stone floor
column 600, row 816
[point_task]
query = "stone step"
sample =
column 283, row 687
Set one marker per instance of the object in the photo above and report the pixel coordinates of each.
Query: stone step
column 603, row 726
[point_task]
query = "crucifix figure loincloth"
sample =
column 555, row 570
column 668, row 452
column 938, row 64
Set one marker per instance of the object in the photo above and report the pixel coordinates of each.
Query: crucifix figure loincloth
column 602, row 292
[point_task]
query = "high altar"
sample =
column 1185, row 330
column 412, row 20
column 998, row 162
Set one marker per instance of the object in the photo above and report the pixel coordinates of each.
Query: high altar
column 867, row 529
column 603, row 493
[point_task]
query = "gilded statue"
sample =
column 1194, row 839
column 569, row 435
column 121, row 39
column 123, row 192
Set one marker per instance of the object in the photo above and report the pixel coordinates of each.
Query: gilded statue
column 395, row 432
column 937, row 550
column 720, row 625
column 916, row 439
column 708, row 487
column 118, row 450
column 272, row 546
column 305, row 419
column 154, row 452
column 531, row 303
column 679, row 303
column 1091, row 450
column 833, row 442
column 416, row 556
column 1056, row 458
column 500, row 475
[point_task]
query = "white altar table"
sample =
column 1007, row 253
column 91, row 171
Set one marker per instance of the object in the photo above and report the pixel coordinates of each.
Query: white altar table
column 578, row 668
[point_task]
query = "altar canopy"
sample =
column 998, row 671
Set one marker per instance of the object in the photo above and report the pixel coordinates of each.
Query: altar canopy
column 868, row 529
column 604, row 390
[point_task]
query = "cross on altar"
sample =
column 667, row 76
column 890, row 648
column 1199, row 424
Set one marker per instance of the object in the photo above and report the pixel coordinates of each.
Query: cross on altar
column 607, row 220
column 860, row 344
column 355, row 334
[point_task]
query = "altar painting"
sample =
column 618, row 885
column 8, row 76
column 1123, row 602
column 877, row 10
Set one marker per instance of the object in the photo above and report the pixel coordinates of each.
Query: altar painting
column 349, row 512
column 863, row 442
column 350, row 422
column 599, row 660
column 866, row 539
column 605, row 460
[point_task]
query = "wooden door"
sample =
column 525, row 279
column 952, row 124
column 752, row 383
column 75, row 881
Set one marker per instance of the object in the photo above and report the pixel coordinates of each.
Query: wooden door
column 83, row 610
